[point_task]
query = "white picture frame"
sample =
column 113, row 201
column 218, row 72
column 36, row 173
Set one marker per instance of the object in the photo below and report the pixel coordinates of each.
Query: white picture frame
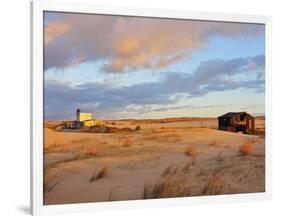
column 37, row 9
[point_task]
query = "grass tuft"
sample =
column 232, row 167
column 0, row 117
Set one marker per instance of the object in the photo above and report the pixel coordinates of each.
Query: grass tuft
column 168, row 186
column 93, row 151
column 170, row 170
column 246, row 148
column 51, row 184
column 127, row 143
column 190, row 150
column 186, row 167
column 99, row 174
column 215, row 185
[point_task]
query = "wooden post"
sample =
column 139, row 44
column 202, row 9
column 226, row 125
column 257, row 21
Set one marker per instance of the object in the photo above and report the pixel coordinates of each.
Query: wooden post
column 247, row 125
column 253, row 126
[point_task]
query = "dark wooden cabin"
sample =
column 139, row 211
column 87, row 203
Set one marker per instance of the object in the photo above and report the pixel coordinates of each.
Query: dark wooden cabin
column 237, row 121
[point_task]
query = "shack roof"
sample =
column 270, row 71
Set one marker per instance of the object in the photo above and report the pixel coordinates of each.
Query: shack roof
column 233, row 114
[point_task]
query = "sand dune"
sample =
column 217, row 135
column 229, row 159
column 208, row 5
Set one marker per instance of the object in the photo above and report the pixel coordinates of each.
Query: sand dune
column 166, row 158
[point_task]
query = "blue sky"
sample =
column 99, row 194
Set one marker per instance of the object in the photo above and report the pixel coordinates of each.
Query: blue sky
column 129, row 67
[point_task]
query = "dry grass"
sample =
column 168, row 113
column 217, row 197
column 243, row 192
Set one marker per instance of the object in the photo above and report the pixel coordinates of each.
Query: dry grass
column 50, row 147
column 171, row 135
column 260, row 132
column 52, row 124
column 93, row 151
column 170, row 170
column 219, row 158
column 190, row 150
column 176, row 139
column 168, row 186
column 215, row 184
column 85, row 145
column 99, row 174
column 213, row 143
column 127, row 143
column 163, row 136
column 74, row 157
column 50, row 184
column 167, row 170
column 79, row 141
column 161, row 130
column 247, row 147
column 172, row 183
column 186, row 167
column 110, row 195
column 151, row 137
column 193, row 158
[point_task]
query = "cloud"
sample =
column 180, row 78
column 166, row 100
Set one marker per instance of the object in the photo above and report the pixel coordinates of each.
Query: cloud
column 130, row 43
column 148, row 108
column 109, row 101
column 54, row 30
column 219, row 75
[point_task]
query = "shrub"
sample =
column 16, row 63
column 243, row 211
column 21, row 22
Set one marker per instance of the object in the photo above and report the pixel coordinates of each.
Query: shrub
column 101, row 173
column 93, row 151
column 137, row 128
column 246, row 148
column 127, row 143
column 190, row 151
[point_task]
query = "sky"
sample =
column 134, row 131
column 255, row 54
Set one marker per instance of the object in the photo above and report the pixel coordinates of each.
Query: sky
column 137, row 67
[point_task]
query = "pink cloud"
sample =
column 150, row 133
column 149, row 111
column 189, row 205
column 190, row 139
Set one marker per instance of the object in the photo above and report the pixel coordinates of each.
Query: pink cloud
column 55, row 29
column 130, row 43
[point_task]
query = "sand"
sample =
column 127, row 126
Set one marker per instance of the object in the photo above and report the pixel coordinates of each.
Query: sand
column 171, row 159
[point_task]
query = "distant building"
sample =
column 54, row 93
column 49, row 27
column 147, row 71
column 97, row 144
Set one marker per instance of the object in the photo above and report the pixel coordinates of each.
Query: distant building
column 82, row 120
column 81, row 116
column 72, row 124
column 237, row 121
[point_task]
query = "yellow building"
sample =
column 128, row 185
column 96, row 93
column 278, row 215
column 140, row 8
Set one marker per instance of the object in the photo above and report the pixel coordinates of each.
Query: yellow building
column 86, row 120
column 81, row 116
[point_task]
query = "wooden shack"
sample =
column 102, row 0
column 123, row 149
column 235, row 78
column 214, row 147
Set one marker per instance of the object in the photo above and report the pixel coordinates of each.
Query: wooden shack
column 237, row 121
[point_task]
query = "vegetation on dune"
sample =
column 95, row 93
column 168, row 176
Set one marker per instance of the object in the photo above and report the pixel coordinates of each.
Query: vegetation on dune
column 215, row 183
column 246, row 148
column 167, row 186
column 51, row 183
column 170, row 161
column 127, row 143
column 94, row 151
column 190, row 150
column 99, row 174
